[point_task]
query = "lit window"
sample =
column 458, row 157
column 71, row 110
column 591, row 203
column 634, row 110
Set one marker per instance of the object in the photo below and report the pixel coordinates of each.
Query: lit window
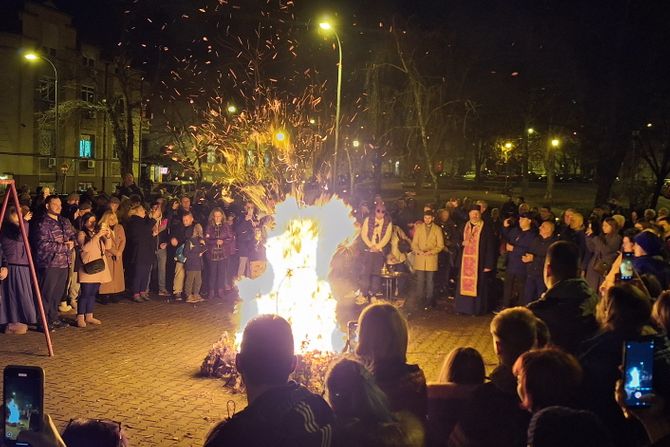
column 86, row 146
column 87, row 93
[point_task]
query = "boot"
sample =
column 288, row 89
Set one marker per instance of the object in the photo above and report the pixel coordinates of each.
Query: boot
column 64, row 307
column 80, row 321
column 91, row 320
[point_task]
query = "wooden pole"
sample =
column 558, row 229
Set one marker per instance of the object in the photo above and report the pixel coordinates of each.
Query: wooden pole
column 40, row 306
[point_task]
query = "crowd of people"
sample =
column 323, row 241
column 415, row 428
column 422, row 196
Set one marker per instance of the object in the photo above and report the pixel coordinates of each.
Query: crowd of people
column 566, row 293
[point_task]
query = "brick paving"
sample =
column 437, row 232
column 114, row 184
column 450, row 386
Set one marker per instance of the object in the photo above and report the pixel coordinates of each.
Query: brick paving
column 141, row 366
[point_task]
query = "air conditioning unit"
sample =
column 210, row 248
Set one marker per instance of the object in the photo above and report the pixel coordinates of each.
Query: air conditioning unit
column 90, row 164
column 51, row 163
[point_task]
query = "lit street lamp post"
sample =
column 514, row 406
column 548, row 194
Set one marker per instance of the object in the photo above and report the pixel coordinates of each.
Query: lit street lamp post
column 326, row 26
column 551, row 168
column 33, row 57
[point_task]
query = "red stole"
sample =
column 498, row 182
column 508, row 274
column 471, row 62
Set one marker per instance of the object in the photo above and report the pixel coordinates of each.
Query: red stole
column 470, row 259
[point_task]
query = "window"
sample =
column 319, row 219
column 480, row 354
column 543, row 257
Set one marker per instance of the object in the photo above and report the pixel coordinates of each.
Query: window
column 88, row 61
column 47, row 89
column 212, row 155
column 47, row 142
column 86, row 146
column 87, row 93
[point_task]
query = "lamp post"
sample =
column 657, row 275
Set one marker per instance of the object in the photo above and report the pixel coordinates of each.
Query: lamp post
column 33, row 57
column 327, row 26
column 551, row 168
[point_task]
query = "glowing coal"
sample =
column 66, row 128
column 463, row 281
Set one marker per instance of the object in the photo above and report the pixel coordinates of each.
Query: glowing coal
column 299, row 250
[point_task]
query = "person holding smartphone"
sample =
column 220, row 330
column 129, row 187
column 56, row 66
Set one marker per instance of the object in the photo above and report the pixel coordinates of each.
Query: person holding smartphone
column 624, row 314
column 92, row 242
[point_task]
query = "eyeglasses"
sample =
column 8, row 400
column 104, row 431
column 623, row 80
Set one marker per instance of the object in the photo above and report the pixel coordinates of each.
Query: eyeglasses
column 379, row 211
column 116, row 425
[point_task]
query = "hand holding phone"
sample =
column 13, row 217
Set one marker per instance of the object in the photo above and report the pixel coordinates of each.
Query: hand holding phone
column 626, row 268
column 352, row 335
column 23, row 398
column 638, row 372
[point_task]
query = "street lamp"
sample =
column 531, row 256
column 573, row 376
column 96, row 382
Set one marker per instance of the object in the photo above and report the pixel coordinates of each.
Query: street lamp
column 231, row 109
column 508, row 145
column 531, row 131
column 32, row 57
column 355, row 143
column 280, row 136
column 327, row 26
column 555, row 142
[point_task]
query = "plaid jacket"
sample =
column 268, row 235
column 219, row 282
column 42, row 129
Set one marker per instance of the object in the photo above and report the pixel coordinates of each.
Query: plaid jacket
column 49, row 244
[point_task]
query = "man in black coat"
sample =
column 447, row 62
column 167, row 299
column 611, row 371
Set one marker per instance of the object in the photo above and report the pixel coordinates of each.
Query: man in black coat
column 537, row 252
column 568, row 307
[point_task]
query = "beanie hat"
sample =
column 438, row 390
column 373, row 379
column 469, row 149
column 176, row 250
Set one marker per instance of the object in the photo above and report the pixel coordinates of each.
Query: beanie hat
column 650, row 243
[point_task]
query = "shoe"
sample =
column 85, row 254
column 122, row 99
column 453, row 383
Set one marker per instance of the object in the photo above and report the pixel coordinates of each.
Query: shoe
column 58, row 324
column 163, row 293
column 16, row 328
column 64, row 307
column 81, row 322
column 91, row 320
column 191, row 299
column 177, row 296
column 199, row 298
column 145, row 296
column 137, row 298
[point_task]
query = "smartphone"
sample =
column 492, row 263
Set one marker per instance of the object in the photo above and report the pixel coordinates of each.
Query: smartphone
column 352, row 335
column 626, row 268
column 23, row 398
column 638, row 374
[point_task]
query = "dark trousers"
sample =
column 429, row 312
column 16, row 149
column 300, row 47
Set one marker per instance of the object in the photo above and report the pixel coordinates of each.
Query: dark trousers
column 217, row 277
column 52, row 281
column 371, row 265
column 534, row 287
column 140, row 279
column 515, row 285
column 87, row 293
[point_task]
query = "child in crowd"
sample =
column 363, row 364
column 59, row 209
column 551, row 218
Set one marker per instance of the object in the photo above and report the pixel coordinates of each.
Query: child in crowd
column 194, row 248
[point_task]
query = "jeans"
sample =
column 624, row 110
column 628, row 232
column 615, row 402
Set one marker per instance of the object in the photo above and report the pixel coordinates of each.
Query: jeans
column 218, row 276
column 52, row 282
column 87, row 293
column 178, row 283
column 161, row 261
column 424, row 288
column 372, row 263
column 193, row 282
column 243, row 266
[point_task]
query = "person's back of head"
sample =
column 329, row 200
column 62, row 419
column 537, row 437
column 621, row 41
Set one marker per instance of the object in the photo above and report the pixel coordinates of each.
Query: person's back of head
column 94, row 432
column 266, row 352
column 464, row 366
column 547, row 377
column 624, row 309
column 561, row 427
column 561, row 263
column 382, row 335
column 661, row 312
column 353, row 393
column 514, row 332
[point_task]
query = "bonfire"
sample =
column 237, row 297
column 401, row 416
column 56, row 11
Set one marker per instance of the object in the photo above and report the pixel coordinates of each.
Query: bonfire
column 299, row 251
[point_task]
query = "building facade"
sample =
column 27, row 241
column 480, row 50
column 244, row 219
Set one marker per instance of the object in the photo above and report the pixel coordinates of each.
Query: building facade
column 81, row 153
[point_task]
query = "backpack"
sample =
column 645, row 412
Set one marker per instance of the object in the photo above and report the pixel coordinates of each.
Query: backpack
column 179, row 255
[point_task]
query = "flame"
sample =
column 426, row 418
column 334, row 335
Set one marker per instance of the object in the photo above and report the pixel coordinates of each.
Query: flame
column 294, row 285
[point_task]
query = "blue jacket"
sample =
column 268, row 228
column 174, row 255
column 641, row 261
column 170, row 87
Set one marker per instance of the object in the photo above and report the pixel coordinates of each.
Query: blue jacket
column 522, row 241
column 193, row 250
column 12, row 244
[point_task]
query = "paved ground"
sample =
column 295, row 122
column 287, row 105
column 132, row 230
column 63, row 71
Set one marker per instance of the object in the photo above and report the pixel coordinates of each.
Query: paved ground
column 140, row 367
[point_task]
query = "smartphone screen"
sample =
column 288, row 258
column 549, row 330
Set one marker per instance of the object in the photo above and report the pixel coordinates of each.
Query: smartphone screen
column 626, row 267
column 352, row 334
column 638, row 364
column 23, row 398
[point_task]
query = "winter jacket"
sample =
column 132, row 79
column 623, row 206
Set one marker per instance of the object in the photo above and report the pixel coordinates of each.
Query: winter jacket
column 538, row 248
column 140, row 245
column 12, row 244
column 429, row 240
column 289, row 415
column 222, row 232
column 93, row 249
column 51, row 236
column 568, row 309
column 405, row 386
column 193, row 250
column 521, row 240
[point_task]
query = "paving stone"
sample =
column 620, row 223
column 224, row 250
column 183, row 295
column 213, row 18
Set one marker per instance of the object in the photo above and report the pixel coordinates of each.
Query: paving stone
column 140, row 366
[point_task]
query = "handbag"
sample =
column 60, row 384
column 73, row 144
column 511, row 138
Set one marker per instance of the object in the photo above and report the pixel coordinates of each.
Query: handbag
column 95, row 266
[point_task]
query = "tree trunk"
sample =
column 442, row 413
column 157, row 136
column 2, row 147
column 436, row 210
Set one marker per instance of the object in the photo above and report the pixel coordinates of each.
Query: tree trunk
column 607, row 170
column 550, row 162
